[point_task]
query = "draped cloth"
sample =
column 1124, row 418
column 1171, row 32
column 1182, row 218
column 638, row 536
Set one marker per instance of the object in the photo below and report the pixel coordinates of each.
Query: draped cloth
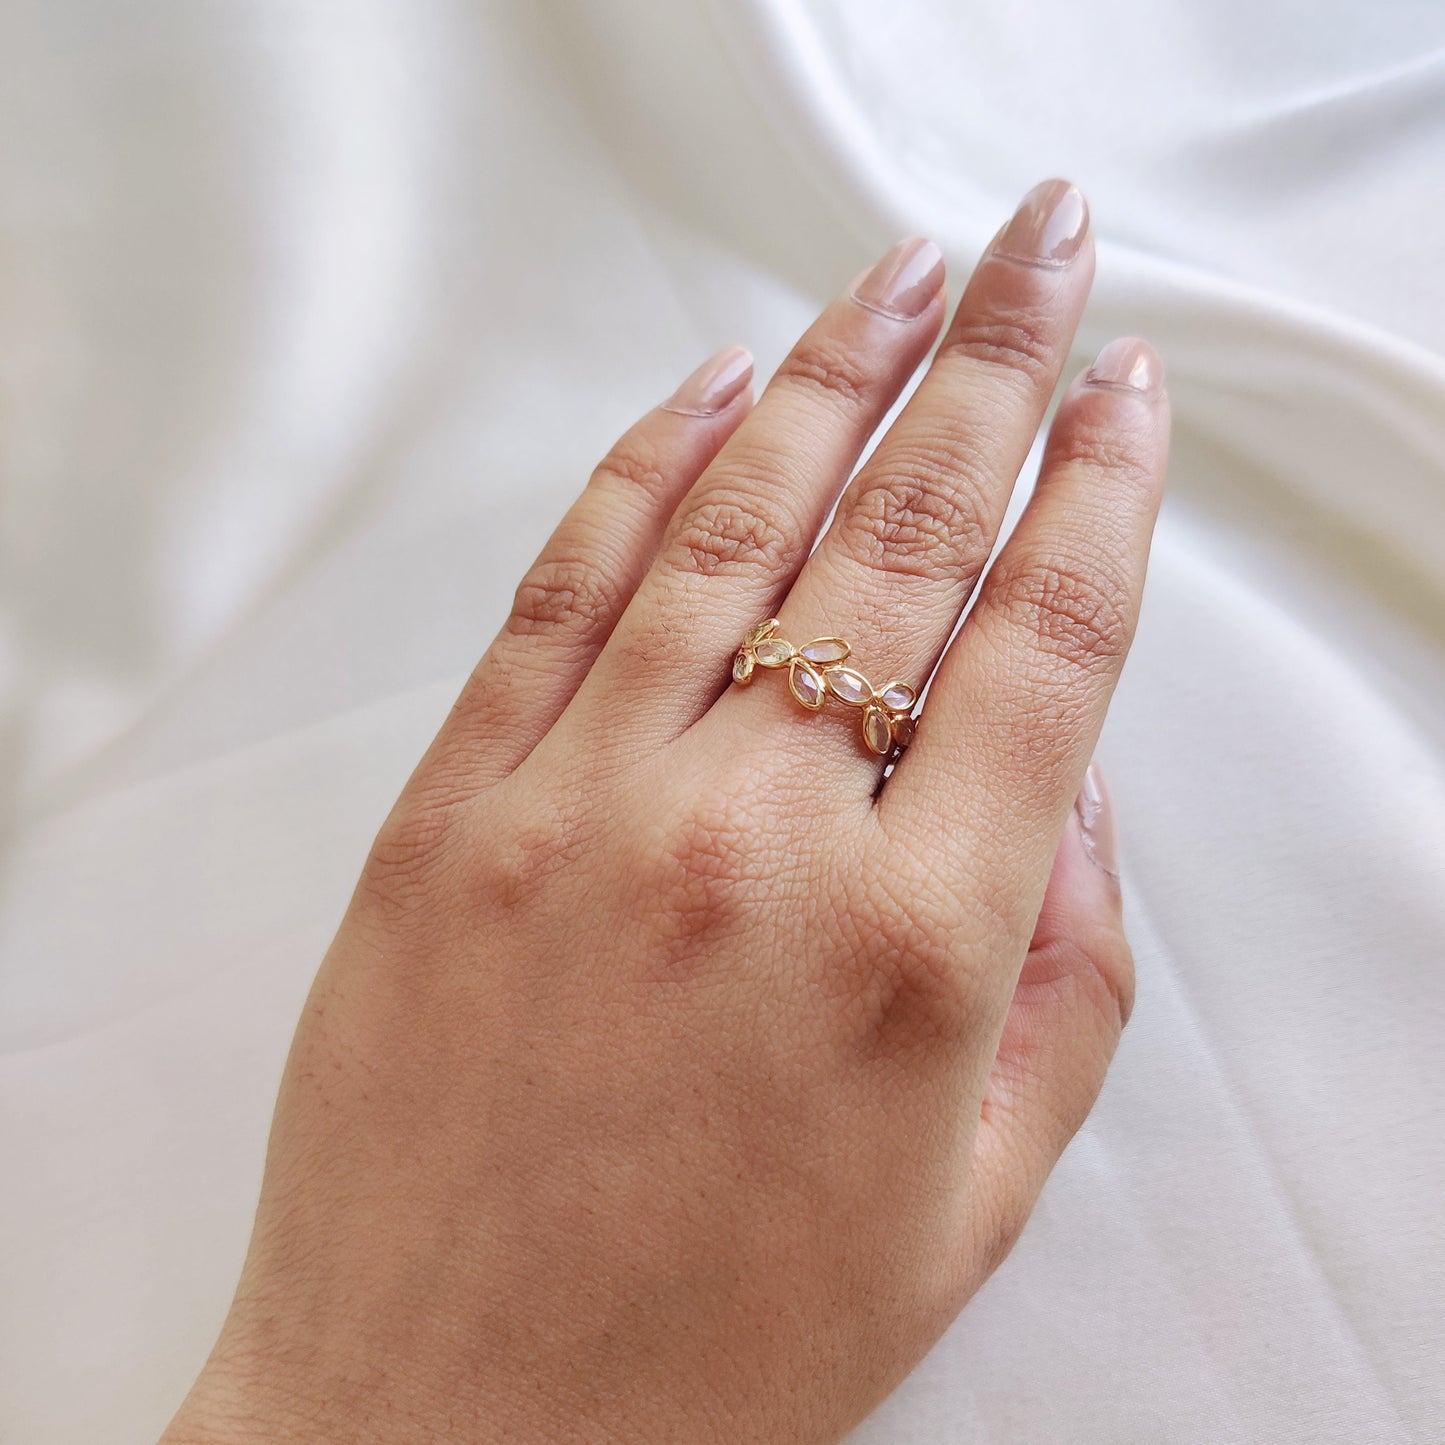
column 315, row 315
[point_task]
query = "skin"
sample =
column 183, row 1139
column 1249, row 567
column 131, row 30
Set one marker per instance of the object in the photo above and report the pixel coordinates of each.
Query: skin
column 674, row 1075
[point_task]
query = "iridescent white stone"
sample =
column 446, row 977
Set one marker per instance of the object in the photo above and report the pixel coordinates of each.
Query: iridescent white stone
column 898, row 696
column 774, row 653
column 806, row 684
column 876, row 732
column 743, row 667
column 848, row 686
column 903, row 729
column 826, row 650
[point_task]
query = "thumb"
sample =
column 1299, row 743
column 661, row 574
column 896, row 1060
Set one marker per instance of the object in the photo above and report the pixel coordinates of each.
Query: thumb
column 1074, row 995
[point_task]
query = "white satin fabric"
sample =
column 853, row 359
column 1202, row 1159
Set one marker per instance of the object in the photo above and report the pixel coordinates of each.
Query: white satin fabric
column 315, row 316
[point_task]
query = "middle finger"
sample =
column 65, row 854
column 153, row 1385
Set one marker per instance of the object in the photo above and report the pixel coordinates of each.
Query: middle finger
column 915, row 528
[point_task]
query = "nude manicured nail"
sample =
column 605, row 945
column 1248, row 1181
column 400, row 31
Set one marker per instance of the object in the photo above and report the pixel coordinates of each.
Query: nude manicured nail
column 1129, row 363
column 1095, row 811
column 1049, row 227
column 717, row 383
column 903, row 283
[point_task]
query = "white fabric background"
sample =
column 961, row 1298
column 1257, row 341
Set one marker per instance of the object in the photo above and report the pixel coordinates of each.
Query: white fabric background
column 315, row 315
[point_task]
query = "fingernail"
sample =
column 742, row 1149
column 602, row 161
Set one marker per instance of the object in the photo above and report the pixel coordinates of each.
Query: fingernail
column 903, row 283
column 1096, row 821
column 715, row 384
column 1129, row 363
column 1049, row 227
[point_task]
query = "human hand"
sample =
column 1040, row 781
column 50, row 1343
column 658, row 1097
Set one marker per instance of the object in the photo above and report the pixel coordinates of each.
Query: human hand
column 675, row 1075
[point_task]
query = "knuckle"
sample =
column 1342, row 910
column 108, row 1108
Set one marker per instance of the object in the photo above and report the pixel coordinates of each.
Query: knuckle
column 727, row 535
column 917, row 519
column 564, row 593
column 1018, row 343
column 937, row 989
column 1104, row 449
column 1103, row 981
column 405, row 857
column 700, row 878
column 633, row 463
column 827, row 370
column 1072, row 612
column 517, row 863
column 1109, row 987
column 916, row 993
column 1088, row 979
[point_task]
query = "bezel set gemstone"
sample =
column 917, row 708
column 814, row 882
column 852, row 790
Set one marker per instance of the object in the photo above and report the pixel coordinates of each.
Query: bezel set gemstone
column 826, row 651
column 848, row 685
column 877, row 729
column 816, row 671
column 773, row 653
column 806, row 684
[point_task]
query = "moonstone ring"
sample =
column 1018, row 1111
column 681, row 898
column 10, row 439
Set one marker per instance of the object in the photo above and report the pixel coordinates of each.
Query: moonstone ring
column 817, row 672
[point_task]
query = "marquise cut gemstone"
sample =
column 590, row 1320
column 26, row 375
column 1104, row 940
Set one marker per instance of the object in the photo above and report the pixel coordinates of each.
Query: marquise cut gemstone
column 826, row 650
column 876, row 732
column 807, row 684
column 774, row 652
column 742, row 667
column 903, row 728
column 898, row 696
column 849, row 686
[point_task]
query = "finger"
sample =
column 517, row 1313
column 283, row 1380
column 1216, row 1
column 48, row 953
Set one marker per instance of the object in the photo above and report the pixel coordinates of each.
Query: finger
column 1018, row 701
column 1072, row 1000
column 915, row 527
column 742, row 532
column 571, row 597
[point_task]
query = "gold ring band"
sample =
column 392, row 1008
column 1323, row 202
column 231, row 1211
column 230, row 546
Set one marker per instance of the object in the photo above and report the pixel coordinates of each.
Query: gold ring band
column 816, row 672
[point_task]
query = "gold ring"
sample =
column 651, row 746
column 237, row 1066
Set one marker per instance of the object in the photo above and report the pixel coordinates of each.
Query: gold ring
column 816, row 671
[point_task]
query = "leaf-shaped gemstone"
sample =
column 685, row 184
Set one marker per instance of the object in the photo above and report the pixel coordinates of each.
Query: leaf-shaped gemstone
column 807, row 684
column 762, row 630
column 743, row 666
column 848, row 686
column 898, row 696
column 774, row 652
column 876, row 732
column 826, row 650
column 903, row 728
